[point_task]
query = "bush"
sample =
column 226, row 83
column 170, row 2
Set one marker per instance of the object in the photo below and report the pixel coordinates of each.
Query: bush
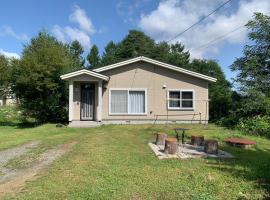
column 229, row 121
column 9, row 114
column 258, row 125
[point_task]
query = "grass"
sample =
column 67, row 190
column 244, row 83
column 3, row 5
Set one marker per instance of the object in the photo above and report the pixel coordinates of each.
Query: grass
column 115, row 162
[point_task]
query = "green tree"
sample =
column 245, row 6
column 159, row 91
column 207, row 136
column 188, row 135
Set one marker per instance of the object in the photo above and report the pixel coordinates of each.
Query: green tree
column 36, row 78
column 76, row 50
column 110, row 54
column 253, row 68
column 220, row 93
column 93, row 57
column 136, row 43
column 5, row 75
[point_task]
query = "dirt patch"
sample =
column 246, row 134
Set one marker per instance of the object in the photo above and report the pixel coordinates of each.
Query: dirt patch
column 14, row 180
column 15, row 152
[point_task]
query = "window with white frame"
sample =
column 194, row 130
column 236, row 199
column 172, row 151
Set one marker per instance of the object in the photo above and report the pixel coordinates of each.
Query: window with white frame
column 180, row 99
column 127, row 101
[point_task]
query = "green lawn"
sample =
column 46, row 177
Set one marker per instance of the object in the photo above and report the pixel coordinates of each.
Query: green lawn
column 115, row 162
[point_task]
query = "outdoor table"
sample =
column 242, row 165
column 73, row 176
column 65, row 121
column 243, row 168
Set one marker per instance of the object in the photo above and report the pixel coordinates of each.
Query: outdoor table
column 177, row 130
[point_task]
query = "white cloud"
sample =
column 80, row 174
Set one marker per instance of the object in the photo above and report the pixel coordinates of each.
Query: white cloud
column 59, row 33
column 79, row 16
column 173, row 16
column 76, row 34
column 8, row 31
column 9, row 54
column 82, row 33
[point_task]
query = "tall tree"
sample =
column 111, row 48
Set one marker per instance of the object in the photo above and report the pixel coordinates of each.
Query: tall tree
column 254, row 67
column 36, row 78
column 5, row 75
column 76, row 50
column 220, row 93
column 135, row 44
column 93, row 57
column 110, row 54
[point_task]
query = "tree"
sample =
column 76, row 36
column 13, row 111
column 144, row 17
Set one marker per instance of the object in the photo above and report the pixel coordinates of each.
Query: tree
column 36, row 78
column 93, row 57
column 136, row 43
column 254, row 68
column 5, row 74
column 220, row 93
column 76, row 50
column 110, row 54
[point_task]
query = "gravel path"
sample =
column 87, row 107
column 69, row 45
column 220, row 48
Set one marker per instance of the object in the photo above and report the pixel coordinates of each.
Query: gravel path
column 15, row 152
column 13, row 180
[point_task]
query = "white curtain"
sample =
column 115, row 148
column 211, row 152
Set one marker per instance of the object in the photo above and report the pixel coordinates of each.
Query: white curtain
column 119, row 101
column 174, row 99
column 136, row 102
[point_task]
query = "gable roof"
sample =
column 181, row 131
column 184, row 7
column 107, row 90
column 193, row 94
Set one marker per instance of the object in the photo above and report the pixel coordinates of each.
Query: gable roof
column 158, row 63
column 86, row 72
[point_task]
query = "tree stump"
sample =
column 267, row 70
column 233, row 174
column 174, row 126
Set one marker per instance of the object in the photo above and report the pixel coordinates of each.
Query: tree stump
column 211, row 146
column 160, row 139
column 197, row 140
column 171, row 146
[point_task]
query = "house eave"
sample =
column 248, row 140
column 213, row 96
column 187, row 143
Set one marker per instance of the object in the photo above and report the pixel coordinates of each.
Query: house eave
column 158, row 63
column 82, row 72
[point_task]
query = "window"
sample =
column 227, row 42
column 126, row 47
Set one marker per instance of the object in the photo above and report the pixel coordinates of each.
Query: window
column 181, row 99
column 125, row 101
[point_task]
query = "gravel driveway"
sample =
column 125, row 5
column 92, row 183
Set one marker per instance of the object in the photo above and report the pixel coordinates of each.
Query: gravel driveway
column 12, row 180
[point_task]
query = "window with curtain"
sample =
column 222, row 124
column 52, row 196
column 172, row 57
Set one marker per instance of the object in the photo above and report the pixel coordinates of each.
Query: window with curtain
column 128, row 102
column 174, row 101
column 119, row 101
column 180, row 99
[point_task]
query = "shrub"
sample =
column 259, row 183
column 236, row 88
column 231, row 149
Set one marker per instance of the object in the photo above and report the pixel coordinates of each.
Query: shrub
column 258, row 125
column 229, row 121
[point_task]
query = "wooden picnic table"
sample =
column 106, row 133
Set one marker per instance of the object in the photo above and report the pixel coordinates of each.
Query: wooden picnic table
column 177, row 132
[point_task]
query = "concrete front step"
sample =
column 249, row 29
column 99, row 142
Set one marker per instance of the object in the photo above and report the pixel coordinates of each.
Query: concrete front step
column 84, row 124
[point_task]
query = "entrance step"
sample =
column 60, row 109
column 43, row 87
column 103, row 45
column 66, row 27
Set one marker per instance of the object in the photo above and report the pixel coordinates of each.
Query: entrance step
column 84, row 124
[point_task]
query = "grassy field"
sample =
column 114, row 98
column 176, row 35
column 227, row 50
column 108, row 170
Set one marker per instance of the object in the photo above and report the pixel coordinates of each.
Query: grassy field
column 115, row 162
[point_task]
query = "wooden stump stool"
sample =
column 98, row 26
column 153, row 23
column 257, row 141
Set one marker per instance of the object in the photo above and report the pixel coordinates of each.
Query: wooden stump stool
column 197, row 140
column 171, row 146
column 160, row 139
column 211, row 146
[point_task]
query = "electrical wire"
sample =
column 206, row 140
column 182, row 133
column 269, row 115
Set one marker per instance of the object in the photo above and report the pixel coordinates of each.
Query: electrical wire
column 196, row 23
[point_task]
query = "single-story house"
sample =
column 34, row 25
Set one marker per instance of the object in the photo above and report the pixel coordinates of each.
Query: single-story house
column 8, row 98
column 138, row 90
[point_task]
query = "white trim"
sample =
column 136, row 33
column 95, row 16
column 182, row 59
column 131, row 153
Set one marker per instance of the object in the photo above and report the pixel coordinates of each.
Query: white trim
column 128, row 89
column 180, row 91
column 99, row 103
column 84, row 71
column 70, row 92
column 155, row 62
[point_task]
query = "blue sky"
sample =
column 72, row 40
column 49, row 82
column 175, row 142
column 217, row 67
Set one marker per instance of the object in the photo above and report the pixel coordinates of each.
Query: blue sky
column 98, row 22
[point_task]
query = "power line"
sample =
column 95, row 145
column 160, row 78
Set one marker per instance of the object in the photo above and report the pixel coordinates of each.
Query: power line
column 222, row 37
column 199, row 21
column 218, row 38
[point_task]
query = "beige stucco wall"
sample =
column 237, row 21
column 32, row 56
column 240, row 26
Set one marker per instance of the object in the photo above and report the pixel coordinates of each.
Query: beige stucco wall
column 152, row 78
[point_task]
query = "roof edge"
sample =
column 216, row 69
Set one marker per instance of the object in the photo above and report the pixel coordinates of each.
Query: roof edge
column 84, row 71
column 155, row 62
